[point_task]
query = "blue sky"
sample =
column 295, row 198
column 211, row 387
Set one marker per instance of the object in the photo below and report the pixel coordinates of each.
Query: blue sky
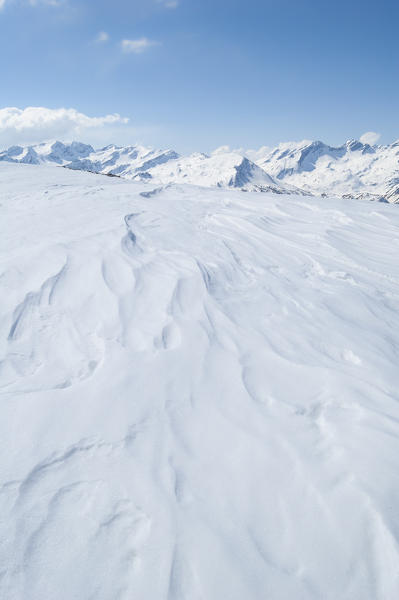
column 196, row 74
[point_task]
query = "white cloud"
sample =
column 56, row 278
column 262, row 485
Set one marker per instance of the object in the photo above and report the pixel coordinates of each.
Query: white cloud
column 36, row 124
column 256, row 155
column 102, row 37
column 370, row 137
column 49, row 2
column 221, row 150
column 171, row 4
column 137, row 46
column 228, row 149
column 37, row 2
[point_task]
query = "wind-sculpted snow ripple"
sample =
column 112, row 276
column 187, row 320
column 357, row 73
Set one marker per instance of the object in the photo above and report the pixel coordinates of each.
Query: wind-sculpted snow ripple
column 199, row 393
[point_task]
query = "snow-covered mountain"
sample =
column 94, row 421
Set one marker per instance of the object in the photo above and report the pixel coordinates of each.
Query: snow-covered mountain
column 392, row 194
column 47, row 152
column 125, row 161
column 226, row 169
column 353, row 169
column 198, row 392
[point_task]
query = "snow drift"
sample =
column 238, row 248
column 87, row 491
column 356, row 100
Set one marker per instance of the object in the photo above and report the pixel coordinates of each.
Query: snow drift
column 199, row 392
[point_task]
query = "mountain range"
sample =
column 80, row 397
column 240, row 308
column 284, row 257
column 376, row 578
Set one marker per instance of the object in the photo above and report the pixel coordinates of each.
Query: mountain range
column 354, row 169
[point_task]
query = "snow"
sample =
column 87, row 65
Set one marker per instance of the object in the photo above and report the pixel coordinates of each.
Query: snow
column 353, row 170
column 199, row 392
column 222, row 170
column 124, row 161
column 228, row 169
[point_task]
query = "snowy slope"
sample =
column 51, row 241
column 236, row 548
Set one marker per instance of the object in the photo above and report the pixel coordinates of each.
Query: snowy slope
column 392, row 194
column 199, row 392
column 353, row 168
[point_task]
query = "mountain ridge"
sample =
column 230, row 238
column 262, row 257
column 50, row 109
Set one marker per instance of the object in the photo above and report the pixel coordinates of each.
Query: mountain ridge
column 352, row 170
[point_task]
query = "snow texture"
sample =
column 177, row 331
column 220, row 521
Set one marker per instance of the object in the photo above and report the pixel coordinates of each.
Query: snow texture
column 199, row 392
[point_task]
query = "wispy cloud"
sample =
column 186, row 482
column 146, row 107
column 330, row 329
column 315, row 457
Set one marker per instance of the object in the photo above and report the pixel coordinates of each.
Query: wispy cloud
column 48, row 2
column 221, row 150
column 137, row 46
column 37, row 123
column 102, row 37
column 170, row 3
column 35, row 2
column 370, row 137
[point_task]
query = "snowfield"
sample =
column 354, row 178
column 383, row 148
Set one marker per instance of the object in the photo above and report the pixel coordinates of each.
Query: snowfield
column 199, row 392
